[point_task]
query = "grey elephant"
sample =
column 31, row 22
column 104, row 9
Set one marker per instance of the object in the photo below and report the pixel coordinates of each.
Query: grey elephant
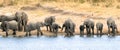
column 89, row 24
column 81, row 28
column 48, row 22
column 21, row 18
column 111, row 24
column 6, row 18
column 55, row 28
column 69, row 27
column 34, row 26
column 99, row 27
column 10, row 25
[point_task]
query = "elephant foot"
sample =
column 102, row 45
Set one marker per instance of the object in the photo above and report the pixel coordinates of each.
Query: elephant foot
column 6, row 35
column 37, row 34
column 29, row 34
column 14, row 33
column 81, row 35
column 41, row 34
column 26, row 35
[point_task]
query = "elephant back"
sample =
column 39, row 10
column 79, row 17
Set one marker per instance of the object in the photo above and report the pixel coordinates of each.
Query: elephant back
column 49, row 20
column 110, row 21
column 13, row 25
column 99, row 25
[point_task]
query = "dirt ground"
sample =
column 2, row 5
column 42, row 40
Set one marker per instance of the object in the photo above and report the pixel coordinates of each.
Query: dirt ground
column 77, row 12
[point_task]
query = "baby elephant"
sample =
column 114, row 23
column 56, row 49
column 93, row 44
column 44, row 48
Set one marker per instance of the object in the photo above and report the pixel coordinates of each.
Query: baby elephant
column 34, row 26
column 99, row 27
column 81, row 28
column 55, row 28
column 13, row 25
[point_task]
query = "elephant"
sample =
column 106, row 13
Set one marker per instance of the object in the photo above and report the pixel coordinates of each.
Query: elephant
column 34, row 26
column 48, row 22
column 6, row 18
column 21, row 18
column 55, row 28
column 10, row 25
column 69, row 27
column 89, row 24
column 111, row 24
column 99, row 27
column 81, row 28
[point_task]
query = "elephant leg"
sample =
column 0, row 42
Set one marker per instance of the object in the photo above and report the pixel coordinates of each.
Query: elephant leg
column 113, row 31
column 53, row 30
column 81, row 33
column 101, row 33
column 38, row 33
column 67, row 33
column 87, row 30
column 117, row 30
column 25, row 23
column 56, row 32
column 20, row 27
column 92, row 30
column 14, row 32
column 6, row 33
column 47, row 28
column 71, row 34
column 50, row 28
column 108, row 29
column 97, row 32
column 29, row 33
column 26, row 33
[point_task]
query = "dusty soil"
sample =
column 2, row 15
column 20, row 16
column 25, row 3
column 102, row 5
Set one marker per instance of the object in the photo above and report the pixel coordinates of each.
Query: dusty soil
column 77, row 12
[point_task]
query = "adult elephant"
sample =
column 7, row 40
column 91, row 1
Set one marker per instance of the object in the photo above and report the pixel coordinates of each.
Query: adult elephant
column 89, row 23
column 6, row 17
column 10, row 25
column 99, row 27
column 69, row 27
column 111, row 24
column 34, row 26
column 48, row 22
column 21, row 18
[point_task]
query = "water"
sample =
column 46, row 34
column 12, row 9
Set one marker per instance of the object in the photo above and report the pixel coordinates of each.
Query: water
column 60, row 43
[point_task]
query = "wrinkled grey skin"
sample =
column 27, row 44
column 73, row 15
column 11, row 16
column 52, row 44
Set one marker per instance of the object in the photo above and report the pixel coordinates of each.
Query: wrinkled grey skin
column 48, row 22
column 81, row 28
column 111, row 24
column 34, row 26
column 55, row 28
column 99, row 27
column 10, row 25
column 89, row 24
column 21, row 18
column 69, row 27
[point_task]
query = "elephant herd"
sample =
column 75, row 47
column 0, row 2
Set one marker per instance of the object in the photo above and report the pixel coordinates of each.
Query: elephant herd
column 19, row 22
